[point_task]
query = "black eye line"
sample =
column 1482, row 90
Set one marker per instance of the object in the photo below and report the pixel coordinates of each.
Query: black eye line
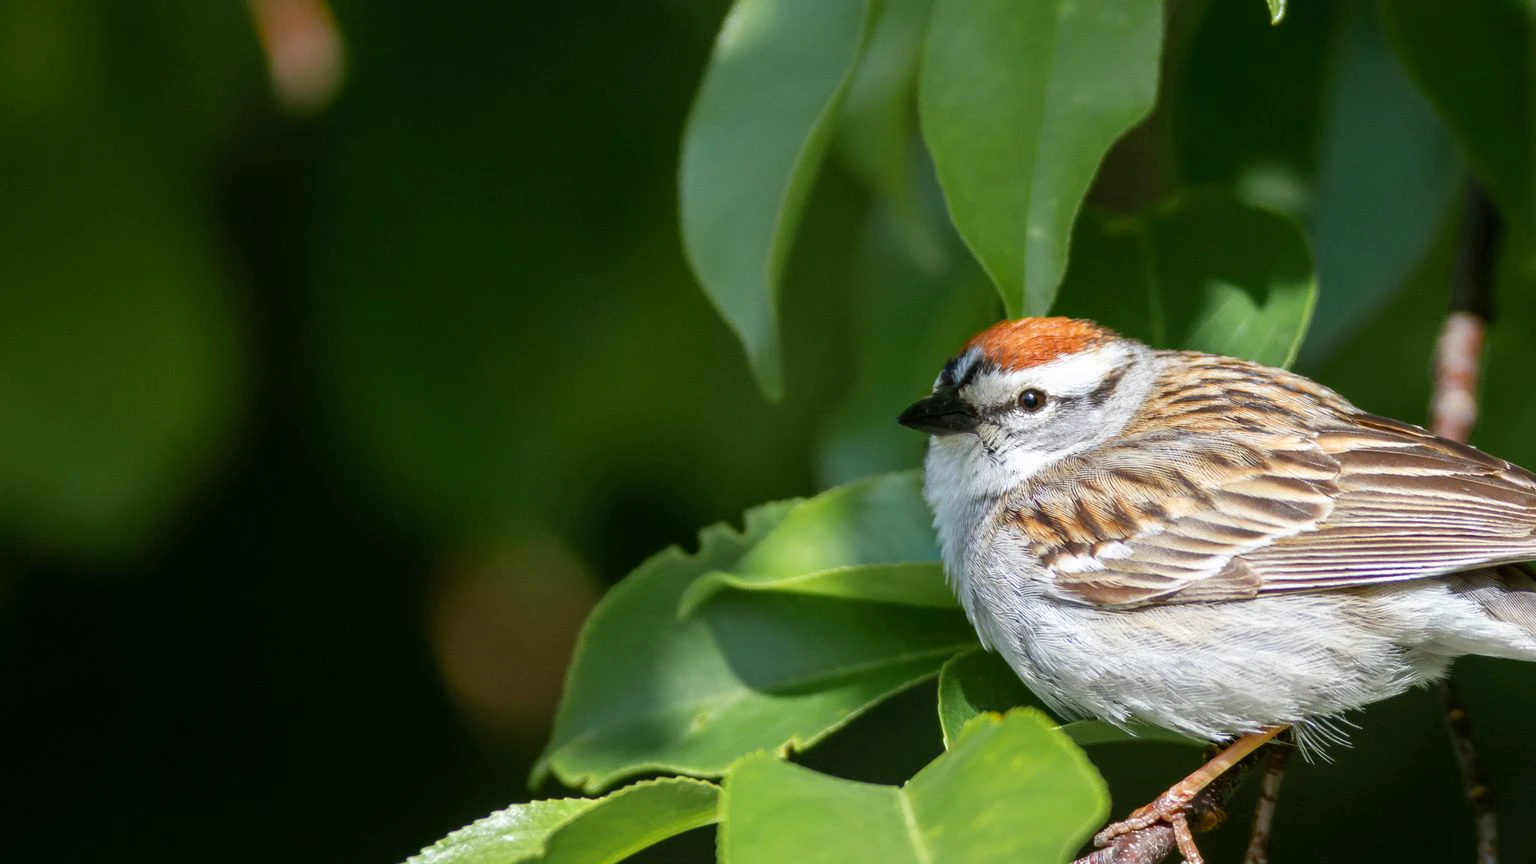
column 1013, row 405
column 1100, row 394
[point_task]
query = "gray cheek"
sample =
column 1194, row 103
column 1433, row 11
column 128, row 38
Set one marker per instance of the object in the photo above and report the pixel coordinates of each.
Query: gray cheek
column 1060, row 430
column 1075, row 426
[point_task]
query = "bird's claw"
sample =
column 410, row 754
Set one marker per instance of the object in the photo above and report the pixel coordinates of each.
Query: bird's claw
column 1172, row 808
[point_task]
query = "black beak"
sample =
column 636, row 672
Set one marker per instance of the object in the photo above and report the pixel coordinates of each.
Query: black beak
column 943, row 413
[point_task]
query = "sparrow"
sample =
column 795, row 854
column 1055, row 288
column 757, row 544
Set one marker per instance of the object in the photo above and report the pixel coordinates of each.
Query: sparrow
column 1210, row 545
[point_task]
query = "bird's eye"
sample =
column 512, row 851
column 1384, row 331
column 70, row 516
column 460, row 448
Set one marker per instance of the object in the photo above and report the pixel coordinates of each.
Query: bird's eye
column 1032, row 400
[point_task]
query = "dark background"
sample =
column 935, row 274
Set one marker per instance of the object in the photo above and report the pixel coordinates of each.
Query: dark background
column 321, row 426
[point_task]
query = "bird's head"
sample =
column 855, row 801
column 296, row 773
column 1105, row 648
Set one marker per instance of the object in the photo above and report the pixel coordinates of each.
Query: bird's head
column 1023, row 394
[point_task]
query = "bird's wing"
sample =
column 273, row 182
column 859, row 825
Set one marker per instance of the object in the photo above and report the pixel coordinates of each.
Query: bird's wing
column 1181, row 518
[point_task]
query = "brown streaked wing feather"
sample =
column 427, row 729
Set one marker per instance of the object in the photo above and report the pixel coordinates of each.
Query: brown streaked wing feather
column 1180, row 520
column 1219, row 506
column 1409, row 506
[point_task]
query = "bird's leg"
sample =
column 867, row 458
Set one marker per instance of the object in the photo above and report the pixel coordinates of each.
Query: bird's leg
column 1172, row 807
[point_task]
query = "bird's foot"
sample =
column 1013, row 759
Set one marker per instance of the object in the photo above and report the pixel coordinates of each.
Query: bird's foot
column 1173, row 809
column 1176, row 807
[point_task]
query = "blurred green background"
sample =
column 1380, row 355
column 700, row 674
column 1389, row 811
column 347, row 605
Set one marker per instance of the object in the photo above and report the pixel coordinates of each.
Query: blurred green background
column 344, row 361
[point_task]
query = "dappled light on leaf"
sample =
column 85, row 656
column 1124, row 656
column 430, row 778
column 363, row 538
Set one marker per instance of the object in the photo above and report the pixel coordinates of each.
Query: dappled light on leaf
column 580, row 830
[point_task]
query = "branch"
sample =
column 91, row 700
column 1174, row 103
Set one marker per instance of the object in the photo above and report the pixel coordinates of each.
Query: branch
column 1485, row 818
column 1453, row 413
column 1264, row 811
column 1155, row 842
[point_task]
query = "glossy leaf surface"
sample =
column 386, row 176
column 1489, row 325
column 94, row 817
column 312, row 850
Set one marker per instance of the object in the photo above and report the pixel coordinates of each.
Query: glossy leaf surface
column 1019, row 103
column 580, row 830
column 745, row 671
column 753, row 144
column 1012, row 790
column 871, row 539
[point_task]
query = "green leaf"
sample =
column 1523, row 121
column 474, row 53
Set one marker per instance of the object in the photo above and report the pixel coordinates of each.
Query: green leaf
column 1019, row 102
column 878, row 520
column 1276, row 11
column 1228, row 278
column 871, row 539
column 511, row 835
column 1090, row 733
column 975, row 683
column 748, row 671
column 751, row 150
column 581, row 830
column 1011, row 790
column 1474, row 64
column 980, row 682
column 877, row 123
column 1234, row 279
column 916, row 584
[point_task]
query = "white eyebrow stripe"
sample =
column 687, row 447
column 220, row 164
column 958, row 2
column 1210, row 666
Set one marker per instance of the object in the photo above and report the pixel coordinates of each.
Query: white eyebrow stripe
column 1073, row 375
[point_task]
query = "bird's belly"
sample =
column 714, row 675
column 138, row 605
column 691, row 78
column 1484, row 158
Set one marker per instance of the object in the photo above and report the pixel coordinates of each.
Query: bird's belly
column 1213, row 670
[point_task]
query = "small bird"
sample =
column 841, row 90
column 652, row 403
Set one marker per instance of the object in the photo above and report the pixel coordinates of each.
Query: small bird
column 1210, row 545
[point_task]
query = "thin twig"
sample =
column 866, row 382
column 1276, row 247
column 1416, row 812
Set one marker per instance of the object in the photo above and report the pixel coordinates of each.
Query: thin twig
column 1453, row 413
column 1264, row 811
column 1479, row 794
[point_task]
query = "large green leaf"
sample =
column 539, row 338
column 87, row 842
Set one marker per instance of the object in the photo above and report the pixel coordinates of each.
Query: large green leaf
column 871, row 539
column 747, row 671
column 581, row 830
column 1019, row 103
column 910, row 584
column 877, row 520
column 1474, row 62
column 1223, row 276
column 1012, row 789
column 753, row 144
